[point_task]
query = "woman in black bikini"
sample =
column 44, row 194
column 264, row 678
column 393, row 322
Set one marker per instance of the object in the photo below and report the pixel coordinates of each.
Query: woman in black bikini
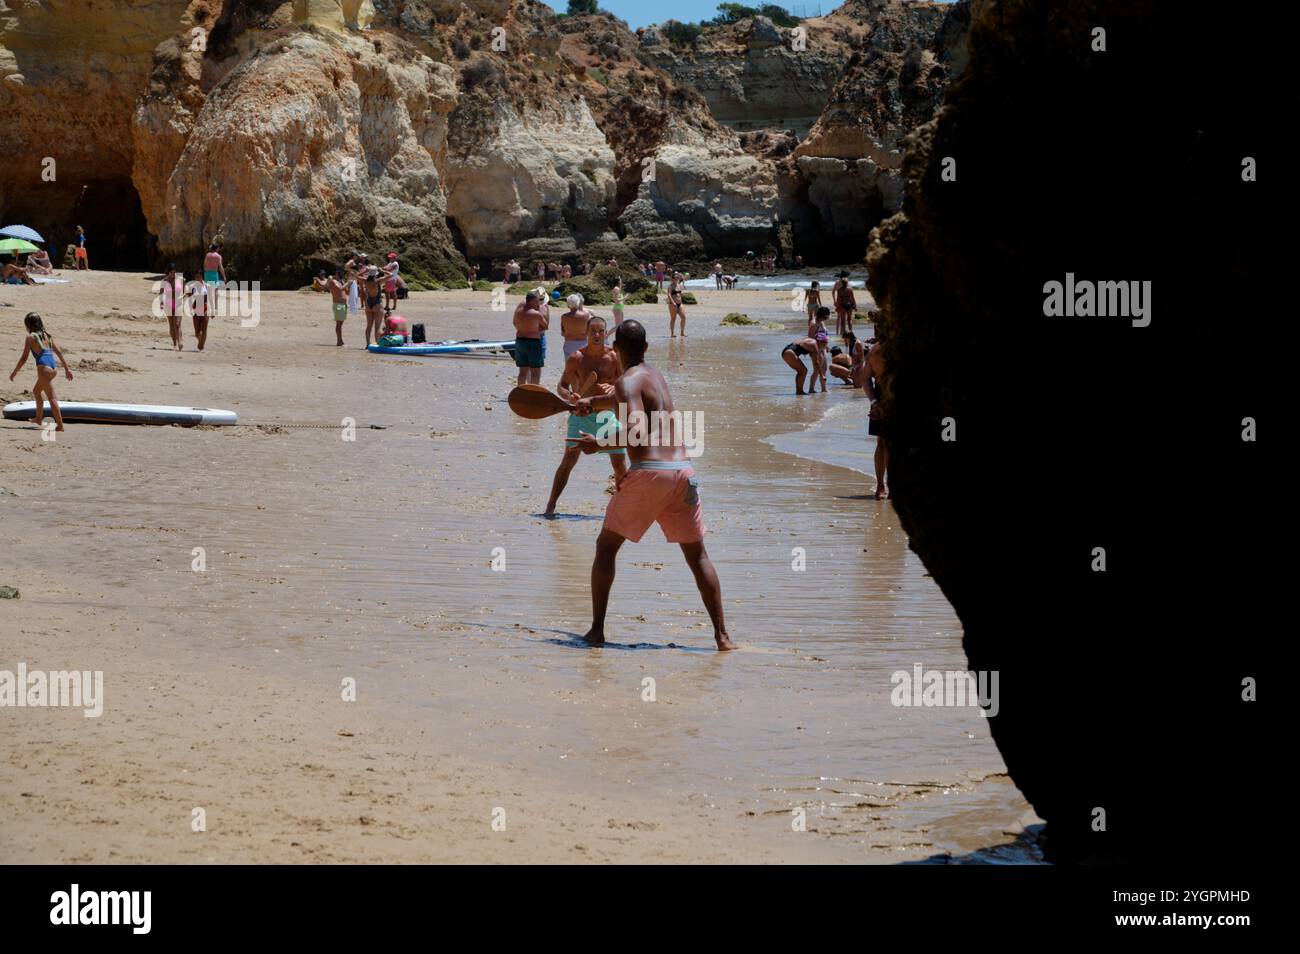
column 675, row 309
column 793, row 353
column 374, row 303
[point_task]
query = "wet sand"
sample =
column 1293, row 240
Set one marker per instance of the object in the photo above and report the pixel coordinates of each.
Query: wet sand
column 329, row 559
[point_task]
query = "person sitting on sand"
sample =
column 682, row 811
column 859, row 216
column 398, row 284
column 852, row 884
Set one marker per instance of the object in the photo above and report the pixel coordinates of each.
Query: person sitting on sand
column 847, row 364
column 590, row 370
column 532, row 318
column 793, row 353
column 877, row 427
column 39, row 263
column 16, row 275
column 660, row 486
column 395, row 324
column 173, row 299
column 41, row 346
column 573, row 325
column 200, row 303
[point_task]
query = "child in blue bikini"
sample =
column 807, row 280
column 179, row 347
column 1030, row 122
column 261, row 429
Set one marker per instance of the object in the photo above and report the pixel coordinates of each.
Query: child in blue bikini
column 41, row 346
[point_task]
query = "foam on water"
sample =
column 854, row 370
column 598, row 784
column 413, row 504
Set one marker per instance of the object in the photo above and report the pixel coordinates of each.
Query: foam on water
column 777, row 282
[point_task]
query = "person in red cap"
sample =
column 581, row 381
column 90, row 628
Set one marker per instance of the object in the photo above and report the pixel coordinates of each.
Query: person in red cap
column 390, row 283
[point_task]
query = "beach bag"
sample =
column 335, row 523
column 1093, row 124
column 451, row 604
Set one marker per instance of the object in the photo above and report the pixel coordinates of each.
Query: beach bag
column 392, row 341
column 402, row 291
column 417, row 334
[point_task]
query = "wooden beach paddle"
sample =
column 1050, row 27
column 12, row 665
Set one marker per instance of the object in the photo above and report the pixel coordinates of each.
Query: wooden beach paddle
column 535, row 402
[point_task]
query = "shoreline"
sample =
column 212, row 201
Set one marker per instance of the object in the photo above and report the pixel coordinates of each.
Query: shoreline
column 370, row 560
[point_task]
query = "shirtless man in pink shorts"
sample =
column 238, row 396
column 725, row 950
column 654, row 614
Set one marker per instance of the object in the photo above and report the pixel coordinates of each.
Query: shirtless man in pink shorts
column 660, row 486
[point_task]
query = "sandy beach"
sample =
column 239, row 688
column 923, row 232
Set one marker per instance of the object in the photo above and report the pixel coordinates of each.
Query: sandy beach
column 328, row 559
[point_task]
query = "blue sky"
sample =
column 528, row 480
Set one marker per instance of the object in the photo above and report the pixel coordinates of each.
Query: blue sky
column 639, row 13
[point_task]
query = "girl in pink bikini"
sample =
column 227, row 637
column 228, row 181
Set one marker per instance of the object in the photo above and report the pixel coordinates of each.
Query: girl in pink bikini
column 173, row 292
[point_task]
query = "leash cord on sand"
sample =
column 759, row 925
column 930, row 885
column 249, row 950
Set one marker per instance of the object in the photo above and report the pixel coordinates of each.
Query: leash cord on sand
column 330, row 427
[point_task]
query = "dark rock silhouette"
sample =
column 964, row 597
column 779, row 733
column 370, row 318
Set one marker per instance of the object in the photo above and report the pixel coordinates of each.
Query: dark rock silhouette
column 1120, row 690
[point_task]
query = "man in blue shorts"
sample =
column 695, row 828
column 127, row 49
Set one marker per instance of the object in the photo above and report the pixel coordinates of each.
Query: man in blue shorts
column 532, row 318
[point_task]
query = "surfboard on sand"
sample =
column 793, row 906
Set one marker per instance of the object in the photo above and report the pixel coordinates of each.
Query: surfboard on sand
column 90, row 412
column 471, row 348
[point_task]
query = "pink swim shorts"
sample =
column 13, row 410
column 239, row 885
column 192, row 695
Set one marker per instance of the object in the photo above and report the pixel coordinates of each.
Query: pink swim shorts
column 649, row 493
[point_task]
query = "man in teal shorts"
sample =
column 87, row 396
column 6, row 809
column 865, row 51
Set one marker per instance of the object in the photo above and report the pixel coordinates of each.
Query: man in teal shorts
column 589, row 371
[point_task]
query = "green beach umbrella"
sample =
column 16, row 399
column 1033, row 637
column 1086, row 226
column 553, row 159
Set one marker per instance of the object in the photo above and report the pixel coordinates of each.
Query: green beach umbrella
column 17, row 245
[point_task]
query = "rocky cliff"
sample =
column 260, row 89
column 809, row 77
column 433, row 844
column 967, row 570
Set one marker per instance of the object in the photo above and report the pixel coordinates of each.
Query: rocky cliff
column 294, row 130
column 1075, row 439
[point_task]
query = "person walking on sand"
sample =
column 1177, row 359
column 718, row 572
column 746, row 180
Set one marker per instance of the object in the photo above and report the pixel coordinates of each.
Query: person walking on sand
column 532, row 319
column 173, row 297
column 660, row 270
column 81, row 255
column 374, row 303
column 200, row 301
column 817, row 332
column 573, row 325
column 214, row 270
column 660, row 486
column 792, row 354
column 617, row 292
column 812, row 299
column 877, row 427
column 845, row 304
column 40, row 345
column 675, row 309
column 590, row 370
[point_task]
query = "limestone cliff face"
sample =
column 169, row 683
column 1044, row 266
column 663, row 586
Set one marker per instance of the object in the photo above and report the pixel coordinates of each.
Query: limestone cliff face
column 296, row 129
column 69, row 76
column 307, row 146
column 848, row 166
column 849, row 86
column 754, row 74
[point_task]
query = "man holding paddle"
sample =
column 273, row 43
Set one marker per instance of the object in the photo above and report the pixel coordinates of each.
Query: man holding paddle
column 588, row 371
column 660, row 486
column 532, row 319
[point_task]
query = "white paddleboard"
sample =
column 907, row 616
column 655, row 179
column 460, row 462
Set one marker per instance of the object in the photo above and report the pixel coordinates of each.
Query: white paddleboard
column 461, row 348
column 123, row 413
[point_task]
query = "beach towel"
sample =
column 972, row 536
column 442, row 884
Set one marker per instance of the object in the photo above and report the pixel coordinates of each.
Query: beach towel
column 49, row 281
column 354, row 298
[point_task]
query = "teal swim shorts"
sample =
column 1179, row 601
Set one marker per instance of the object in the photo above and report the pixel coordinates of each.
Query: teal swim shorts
column 601, row 424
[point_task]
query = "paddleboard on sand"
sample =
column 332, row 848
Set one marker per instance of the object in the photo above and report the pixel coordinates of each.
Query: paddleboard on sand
column 123, row 413
column 472, row 347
